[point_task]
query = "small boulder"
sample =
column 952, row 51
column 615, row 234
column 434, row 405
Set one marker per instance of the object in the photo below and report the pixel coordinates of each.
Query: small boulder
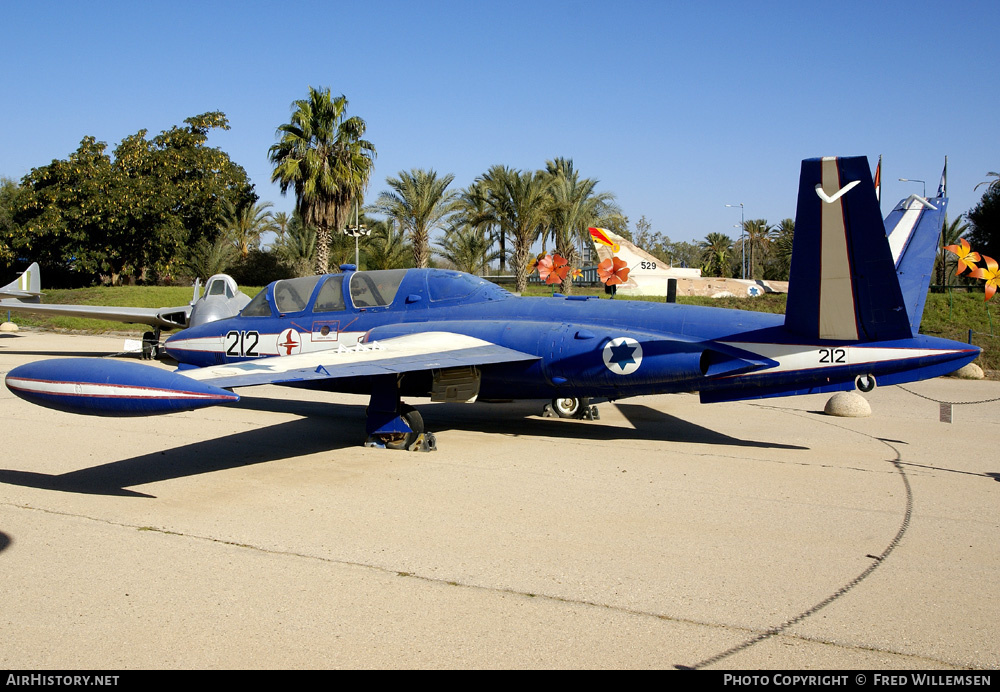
column 848, row 405
column 970, row 371
column 8, row 327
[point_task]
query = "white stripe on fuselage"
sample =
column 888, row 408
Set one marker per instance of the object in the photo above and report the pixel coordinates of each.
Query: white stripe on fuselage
column 93, row 389
column 792, row 357
column 267, row 345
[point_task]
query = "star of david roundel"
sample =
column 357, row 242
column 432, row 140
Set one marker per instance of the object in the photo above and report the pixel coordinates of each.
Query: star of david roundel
column 622, row 356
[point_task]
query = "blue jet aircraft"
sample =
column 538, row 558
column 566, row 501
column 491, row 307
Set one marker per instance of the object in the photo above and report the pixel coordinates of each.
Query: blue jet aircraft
column 852, row 320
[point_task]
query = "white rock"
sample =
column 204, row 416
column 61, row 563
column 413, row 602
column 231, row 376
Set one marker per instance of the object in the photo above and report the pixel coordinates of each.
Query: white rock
column 970, row 371
column 8, row 327
column 848, row 405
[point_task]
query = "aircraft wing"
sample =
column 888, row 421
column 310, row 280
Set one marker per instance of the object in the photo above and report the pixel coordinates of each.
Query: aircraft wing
column 108, row 387
column 165, row 318
column 401, row 354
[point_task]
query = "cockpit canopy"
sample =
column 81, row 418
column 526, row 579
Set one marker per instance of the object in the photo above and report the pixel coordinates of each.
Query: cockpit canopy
column 367, row 290
column 221, row 285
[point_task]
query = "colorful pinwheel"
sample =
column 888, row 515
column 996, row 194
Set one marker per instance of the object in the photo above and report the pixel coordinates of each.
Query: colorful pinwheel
column 552, row 269
column 613, row 271
column 990, row 274
column 966, row 258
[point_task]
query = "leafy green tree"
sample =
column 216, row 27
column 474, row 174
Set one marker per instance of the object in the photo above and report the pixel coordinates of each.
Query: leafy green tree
column 676, row 254
column 984, row 224
column 134, row 214
column 419, row 202
column 322, row 156
column 9, row 194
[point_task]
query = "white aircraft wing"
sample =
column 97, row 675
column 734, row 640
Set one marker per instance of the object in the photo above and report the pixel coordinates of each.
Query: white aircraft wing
column 410, row 353
column 167, row 318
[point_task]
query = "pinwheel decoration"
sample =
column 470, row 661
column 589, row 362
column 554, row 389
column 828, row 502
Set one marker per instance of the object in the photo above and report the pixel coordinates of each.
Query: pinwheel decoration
column 613, row 271
column 966, row 258
column 990, row 274
column 552, row 269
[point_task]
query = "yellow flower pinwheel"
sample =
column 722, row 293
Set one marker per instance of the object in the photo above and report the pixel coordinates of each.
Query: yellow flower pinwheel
column 990, row 274
column 966, row 258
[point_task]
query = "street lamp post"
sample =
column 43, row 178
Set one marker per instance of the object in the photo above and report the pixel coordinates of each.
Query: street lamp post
column 913, row 180
column 743, row 245
column 357, row 230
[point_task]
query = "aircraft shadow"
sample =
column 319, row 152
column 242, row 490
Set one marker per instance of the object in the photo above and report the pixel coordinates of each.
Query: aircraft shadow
column 325, row 427
column 270, row 443
column 521, row 418
column 4, row 541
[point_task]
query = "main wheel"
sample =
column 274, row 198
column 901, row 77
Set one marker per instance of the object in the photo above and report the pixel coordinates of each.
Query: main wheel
column 865, row 383
column 569, row 407
column 404, row 440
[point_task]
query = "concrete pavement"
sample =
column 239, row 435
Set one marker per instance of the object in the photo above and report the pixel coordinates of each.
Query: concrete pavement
column 668, row 533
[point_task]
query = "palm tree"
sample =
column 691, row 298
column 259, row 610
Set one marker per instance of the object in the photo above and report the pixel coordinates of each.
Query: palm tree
column 991, row 185
column 205, row 259
column 715, row 254
column 386, row 247
column 322, row 156
column 297, row 248
column 782, row 248
column 575, row 206
column 419, row 202
column 467, row 249
column 520, row 204
column 281, row 221
column 473, row 212
column 245, row 224
column 758, row 243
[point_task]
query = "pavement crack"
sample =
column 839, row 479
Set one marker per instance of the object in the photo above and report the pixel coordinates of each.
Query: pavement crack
column 877, row 560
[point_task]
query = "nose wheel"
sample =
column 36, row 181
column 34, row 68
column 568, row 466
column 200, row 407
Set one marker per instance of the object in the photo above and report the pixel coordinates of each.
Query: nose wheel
column 571, row 407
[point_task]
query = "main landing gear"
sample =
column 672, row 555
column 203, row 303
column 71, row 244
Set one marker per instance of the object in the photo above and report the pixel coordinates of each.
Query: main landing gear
column 392, row 424
column 151, row 345
column 570, row 407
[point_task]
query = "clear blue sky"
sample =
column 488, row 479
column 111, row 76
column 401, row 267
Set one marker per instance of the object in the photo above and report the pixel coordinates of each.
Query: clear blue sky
column 677, row 107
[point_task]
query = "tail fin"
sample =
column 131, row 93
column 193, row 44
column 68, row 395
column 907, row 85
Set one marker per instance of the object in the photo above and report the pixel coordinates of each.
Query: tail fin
column 27, row 287
column 914, row 228
column 842, row 284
